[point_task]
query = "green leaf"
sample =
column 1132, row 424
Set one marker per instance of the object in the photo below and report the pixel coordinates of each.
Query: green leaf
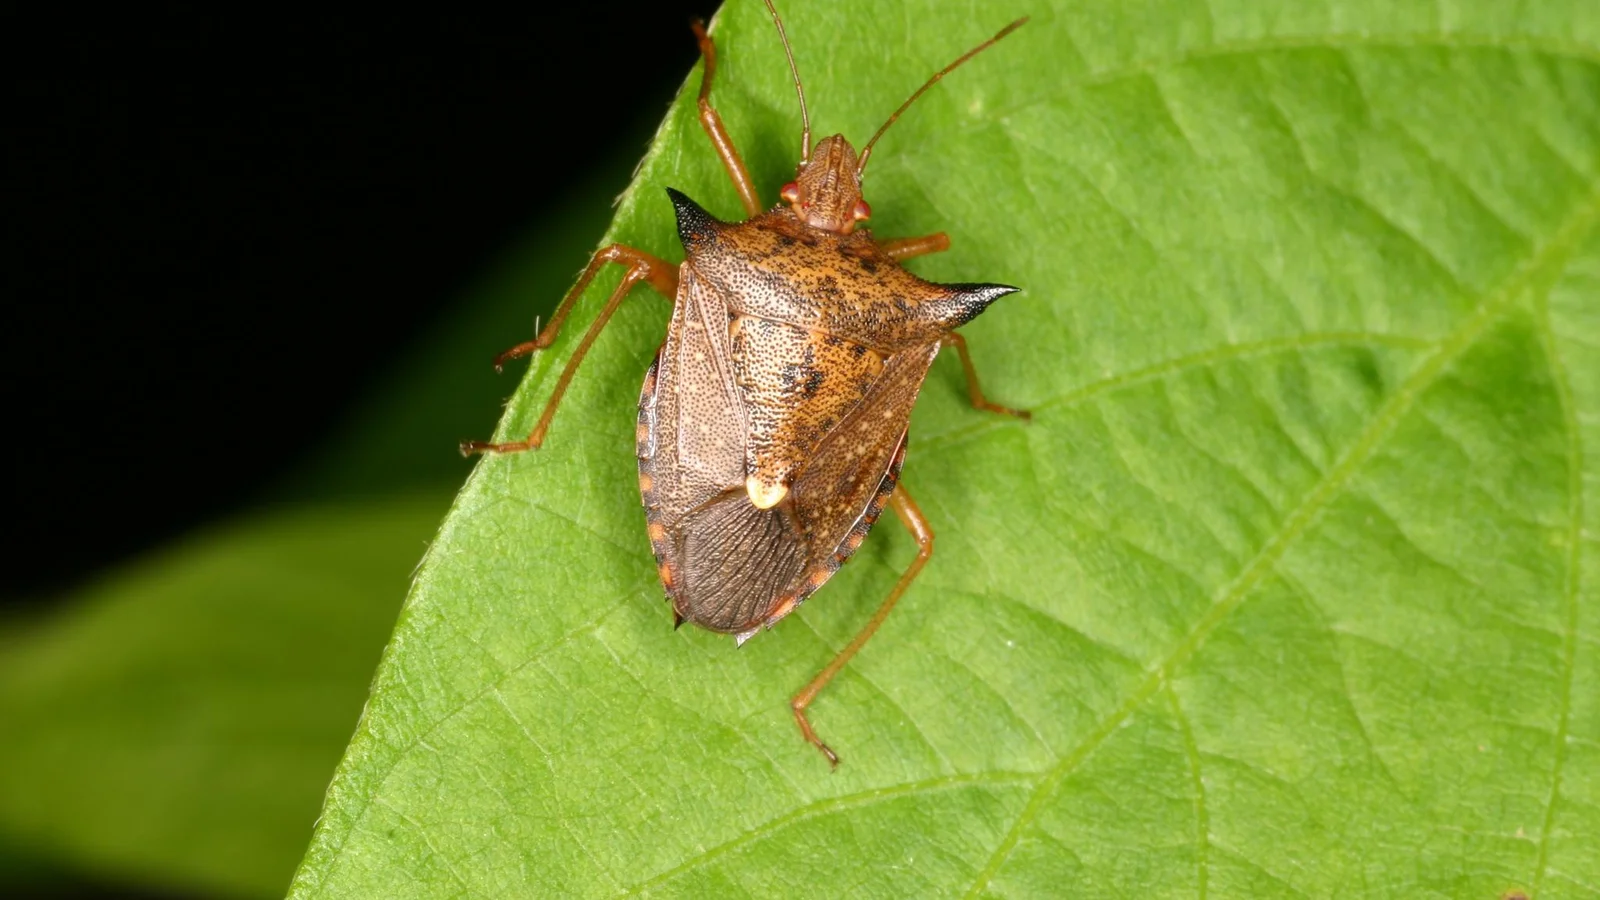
column 1291, row 587
column 86, row 678
column 178, row 724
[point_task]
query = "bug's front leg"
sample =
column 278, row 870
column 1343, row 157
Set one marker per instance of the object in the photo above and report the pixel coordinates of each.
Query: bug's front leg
column 712, row 123
column 911, row 517
column 658, row 273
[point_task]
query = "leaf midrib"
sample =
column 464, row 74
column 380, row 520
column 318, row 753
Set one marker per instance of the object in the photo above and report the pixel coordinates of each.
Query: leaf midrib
column 1234, row 594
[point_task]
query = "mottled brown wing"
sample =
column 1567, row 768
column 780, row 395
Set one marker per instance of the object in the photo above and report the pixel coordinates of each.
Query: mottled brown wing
column 726, row 565
column 721, row 560
column 838, row 491
column 734, row 562
column 691, row 424
column 797, row 386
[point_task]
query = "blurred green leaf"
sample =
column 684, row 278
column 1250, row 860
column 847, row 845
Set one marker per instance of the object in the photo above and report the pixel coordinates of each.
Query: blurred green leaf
column 179, row 724
column 400, row 444
column 1290, row 588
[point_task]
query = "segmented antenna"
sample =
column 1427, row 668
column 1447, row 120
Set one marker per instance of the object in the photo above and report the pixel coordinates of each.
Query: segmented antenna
column 867, row 150
column 805, row 118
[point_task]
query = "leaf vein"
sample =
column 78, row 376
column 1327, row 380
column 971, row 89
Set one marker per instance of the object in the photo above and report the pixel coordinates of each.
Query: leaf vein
column 831, row 805
column 1174, row 365
column 1298, row 521
column 1202, row 825
column 549, row 763
column 1334, row 634
column 444, row 859
column 1569, row 643
column 1340, row 41
column 421, row 738
column 691, row 712
column 1001, row 696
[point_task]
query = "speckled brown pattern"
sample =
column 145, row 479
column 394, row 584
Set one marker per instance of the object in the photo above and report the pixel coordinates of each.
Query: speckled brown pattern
column 793, row 360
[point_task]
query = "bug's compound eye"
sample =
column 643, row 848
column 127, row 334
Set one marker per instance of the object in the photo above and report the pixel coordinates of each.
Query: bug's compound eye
column 790, row 192
column 862, row 212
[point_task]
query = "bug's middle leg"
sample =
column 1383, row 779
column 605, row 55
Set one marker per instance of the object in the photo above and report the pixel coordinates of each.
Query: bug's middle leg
column 712, row 123
column 911, row 517
column 658, row 273
column 901, row 249
column 951, row 339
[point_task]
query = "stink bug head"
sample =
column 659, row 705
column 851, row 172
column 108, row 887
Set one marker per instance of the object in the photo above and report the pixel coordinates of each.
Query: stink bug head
column 826, row 191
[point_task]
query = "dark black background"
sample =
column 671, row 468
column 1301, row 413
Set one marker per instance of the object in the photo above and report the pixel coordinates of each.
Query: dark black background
column 226, row 219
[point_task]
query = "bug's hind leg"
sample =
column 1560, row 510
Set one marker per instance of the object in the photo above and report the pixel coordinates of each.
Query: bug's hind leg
column 973, row 390
column 712, row 123
column 911, row 517
column 659, row 274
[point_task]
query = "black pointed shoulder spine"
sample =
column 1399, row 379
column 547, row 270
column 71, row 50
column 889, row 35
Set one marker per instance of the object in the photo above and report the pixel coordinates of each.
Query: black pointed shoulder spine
column 695, row 225
column 967, row 300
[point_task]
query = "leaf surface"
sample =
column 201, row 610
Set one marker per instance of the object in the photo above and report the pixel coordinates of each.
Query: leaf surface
column 1289, row 588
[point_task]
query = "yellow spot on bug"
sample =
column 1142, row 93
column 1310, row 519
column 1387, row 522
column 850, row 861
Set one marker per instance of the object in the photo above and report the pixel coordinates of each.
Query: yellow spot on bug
column 658, row 532
column 764, row 495
column 666, row 576
column 646, row 483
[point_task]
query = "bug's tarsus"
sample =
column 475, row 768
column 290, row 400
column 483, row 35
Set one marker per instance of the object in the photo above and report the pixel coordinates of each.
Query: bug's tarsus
column 526, row 348
column 799, row 708
column 866, row 151
column 805, row 117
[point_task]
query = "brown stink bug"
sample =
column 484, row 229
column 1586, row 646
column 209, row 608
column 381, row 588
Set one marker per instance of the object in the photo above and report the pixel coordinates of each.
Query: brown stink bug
column 772, row 424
